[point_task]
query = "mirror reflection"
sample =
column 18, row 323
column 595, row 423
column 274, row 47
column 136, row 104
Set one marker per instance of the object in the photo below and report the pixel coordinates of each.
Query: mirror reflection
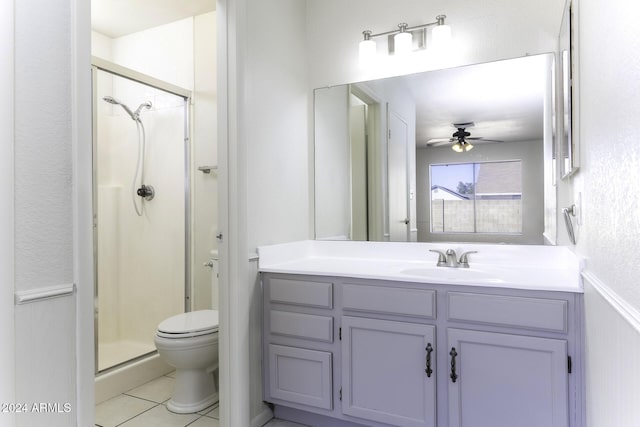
column 462, row 154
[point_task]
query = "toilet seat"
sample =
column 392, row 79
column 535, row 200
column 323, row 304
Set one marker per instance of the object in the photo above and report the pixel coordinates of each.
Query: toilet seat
column 191, row 324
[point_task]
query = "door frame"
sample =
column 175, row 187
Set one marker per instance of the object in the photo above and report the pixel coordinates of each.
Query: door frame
column 7, row 286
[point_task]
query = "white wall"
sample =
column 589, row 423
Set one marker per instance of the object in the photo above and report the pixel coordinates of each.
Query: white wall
column 204, row 191
column 268, row 197
column 45, row 368
column 278, row 149
column 164, row 52
column 610, row 163
column 277, row 141
column 609, row 238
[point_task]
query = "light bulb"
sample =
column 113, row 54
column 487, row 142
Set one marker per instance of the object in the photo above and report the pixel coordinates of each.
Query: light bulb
column 402, row 43
column 441, row 36
column 467, row 146
column 457, row 147
column 367, row 51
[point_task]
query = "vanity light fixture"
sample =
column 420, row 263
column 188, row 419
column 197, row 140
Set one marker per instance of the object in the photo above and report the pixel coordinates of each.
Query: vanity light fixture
column 403, row 41
column 406, row 39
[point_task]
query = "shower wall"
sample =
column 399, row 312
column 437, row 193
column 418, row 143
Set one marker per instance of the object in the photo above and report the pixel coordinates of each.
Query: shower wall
column 141, row 259
column 183, row 53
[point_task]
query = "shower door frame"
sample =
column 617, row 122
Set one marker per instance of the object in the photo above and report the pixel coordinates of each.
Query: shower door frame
column 99, row 64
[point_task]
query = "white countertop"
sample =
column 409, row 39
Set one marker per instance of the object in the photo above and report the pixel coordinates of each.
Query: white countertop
column 549, row 268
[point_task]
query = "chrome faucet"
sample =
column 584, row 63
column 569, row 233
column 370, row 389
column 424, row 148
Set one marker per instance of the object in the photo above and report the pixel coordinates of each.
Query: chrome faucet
column 451, row 260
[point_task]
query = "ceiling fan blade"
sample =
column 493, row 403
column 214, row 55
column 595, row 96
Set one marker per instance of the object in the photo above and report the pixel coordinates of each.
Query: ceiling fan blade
column 435, row 140
column 481, row 139
column 439, row 143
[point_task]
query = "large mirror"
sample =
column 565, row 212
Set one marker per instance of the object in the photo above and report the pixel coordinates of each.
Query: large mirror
column 463, row 154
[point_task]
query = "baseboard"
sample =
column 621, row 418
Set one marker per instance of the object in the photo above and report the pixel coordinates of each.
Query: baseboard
column 263, row 417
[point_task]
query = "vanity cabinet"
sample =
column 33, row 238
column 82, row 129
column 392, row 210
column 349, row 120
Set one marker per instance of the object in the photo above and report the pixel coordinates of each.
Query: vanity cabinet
column 378, row 353
column 299, row 353
column 505, row 380
column 388, row 371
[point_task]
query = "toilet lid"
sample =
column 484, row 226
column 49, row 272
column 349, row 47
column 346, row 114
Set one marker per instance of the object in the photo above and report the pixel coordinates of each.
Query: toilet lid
column 194, row 322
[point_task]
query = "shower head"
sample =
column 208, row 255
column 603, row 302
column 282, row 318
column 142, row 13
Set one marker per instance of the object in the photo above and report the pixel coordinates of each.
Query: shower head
column 146, row 105
column 112, row 100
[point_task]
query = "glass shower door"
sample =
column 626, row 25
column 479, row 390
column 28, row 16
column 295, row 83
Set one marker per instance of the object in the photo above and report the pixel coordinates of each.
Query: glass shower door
column 140, row 204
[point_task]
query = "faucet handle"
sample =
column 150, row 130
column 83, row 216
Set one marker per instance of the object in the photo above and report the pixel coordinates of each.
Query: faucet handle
column 442, row 257
column 464, row 258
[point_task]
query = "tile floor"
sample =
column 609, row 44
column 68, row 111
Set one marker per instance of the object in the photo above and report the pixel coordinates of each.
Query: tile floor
column 145, row 406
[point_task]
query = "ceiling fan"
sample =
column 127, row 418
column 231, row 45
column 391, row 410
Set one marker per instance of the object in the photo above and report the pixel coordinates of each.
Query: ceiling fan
column 461, row 138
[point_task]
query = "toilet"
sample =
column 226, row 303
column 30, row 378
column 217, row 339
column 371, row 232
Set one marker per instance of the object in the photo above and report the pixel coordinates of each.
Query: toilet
column 189, row 342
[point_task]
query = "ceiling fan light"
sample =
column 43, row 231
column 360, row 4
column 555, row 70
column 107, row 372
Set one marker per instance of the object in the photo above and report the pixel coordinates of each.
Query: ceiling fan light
column 467, row 146
column 457, row 147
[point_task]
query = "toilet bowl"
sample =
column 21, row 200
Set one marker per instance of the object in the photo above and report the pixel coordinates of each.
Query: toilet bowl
column 189, row 342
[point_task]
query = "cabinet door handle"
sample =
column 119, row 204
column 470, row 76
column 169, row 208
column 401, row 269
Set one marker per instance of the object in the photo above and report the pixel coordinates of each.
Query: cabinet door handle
column 428, row 369
column 453, row 355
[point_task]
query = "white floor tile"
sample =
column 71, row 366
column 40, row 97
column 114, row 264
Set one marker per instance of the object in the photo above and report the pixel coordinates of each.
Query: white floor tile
column 158, row 390
column 213, row 413
column 281, row 423
column 160, row 416
column 205, row 422
column 113, row 412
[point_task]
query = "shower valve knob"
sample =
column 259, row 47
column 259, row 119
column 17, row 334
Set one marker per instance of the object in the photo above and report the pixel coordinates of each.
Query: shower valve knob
column 146, row 191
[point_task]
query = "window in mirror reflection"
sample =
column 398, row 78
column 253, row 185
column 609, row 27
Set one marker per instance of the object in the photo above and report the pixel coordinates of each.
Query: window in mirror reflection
column 476, row 197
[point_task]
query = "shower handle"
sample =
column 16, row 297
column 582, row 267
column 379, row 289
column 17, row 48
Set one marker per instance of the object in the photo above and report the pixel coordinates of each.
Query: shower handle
column 146, row 192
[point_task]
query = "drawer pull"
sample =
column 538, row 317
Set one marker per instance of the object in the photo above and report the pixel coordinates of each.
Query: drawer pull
column 428, row 369
column 453, row 355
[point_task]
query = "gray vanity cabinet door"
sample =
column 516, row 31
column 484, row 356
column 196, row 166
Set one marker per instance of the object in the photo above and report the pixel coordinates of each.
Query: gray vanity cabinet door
column 506, row 380
column 300, row 376
column 383, row 371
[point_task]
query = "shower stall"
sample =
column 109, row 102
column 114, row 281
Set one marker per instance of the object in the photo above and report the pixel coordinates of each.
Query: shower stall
column 141, row 210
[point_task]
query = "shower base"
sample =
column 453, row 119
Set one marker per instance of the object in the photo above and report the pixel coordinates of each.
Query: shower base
column 129, row 375
column 114, row 353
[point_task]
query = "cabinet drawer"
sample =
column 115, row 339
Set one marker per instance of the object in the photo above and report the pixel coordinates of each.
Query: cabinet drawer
column 300, row 376
column 301, row 292
column 301, row 325
column 388, row 300
column 519, row 312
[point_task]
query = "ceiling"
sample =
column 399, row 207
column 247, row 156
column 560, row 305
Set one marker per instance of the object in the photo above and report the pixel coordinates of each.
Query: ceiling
column 504, row 99
column 115, row 18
